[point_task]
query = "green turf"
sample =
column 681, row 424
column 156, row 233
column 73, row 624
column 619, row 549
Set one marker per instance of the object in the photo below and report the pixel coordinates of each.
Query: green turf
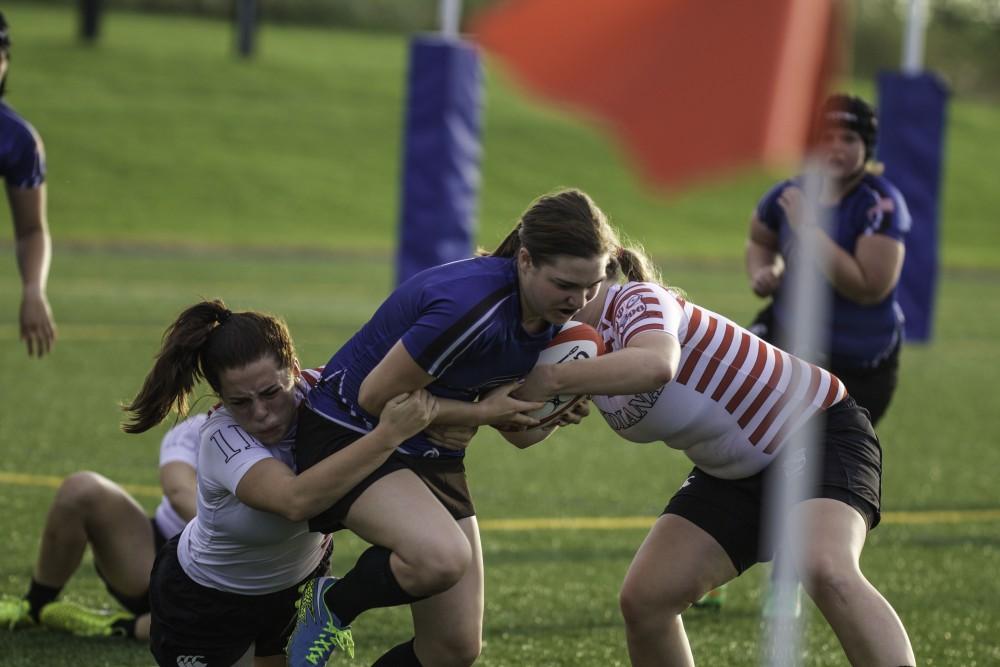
column 159, row 134
column 178, row 173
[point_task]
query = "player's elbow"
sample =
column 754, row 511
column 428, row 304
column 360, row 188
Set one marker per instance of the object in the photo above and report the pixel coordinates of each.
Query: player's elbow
column 368, row 401
column 297, row 509
column 870, row 295
column 656, row 373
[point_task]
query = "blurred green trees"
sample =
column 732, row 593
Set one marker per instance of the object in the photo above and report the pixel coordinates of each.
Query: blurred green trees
column 962, row 40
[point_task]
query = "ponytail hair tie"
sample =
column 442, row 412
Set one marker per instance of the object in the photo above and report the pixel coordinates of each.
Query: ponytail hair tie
column 223, row 316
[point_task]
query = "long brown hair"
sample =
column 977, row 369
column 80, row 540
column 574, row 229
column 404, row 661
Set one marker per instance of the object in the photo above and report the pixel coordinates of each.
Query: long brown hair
column 632, row 263
column 635, row 265
column 205, row 340
column 564, row 222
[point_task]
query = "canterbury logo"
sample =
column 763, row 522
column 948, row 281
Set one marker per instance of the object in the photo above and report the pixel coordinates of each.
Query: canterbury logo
column 191, row 661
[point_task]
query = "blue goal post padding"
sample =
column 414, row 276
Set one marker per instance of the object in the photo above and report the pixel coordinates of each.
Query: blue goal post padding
column 911, row 117
column 441, row 154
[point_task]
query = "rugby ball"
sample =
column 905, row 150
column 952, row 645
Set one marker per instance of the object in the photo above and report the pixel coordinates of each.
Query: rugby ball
column 575, row 340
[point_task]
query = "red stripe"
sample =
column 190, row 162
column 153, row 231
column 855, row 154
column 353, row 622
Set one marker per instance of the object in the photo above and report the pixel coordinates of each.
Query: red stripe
column 734, row 366
column 832, row 392
column 611, row 309
column 312, row 375
column 648, row 327
column 696, row 353
column 639, row 288
column 648, row 315
column 765, row 391
column 713, row 363
column 751, row 378
column 692, row 325
column 793, row 385
column 793, row 419
column 634, row 289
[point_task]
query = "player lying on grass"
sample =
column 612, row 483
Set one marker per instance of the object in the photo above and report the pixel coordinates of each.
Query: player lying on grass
column 680, row 374
column 90, row 509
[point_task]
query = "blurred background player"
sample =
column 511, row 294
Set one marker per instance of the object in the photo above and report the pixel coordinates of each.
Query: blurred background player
column 868, row 221
column 91, row 509
column 22, row 166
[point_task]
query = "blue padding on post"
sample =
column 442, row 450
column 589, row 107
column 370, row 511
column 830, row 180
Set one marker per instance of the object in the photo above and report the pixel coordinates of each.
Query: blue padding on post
column 441, row 155
column 911, row 117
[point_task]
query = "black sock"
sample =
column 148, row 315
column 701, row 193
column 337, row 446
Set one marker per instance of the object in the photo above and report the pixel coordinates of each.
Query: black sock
column 370, row 585
column 40, row 595
column 124, row 627
column 399, row 656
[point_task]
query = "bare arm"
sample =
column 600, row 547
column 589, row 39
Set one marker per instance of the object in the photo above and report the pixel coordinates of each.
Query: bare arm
column 528, row 437
column 271, row 486
column 870, row 274
column 180, row 486
column 866, row 277
column 764, row 264
column 399, row 372
column 648, row 362
column 34, row 254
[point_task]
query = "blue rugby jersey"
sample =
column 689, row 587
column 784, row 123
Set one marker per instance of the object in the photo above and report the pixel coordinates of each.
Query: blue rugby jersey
column 22, row 162
column 861, row 336
column 461, row 323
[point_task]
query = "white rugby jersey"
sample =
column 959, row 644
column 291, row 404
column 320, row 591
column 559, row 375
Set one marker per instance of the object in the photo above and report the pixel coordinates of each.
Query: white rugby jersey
column 179, row 444
column 734, row 399
column 231, row 546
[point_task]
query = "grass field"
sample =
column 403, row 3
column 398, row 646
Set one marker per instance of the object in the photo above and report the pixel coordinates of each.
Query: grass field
column 177, row 172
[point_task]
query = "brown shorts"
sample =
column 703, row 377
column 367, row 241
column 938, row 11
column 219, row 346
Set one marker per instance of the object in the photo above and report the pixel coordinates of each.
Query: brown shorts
column 318, row 437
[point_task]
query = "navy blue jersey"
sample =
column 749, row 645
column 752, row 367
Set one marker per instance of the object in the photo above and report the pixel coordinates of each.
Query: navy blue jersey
column 22, row 162
column 861, row 336
column 461, row 323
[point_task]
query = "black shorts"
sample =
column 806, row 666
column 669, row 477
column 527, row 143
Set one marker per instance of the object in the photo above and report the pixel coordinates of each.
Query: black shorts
column 139, row 604
column 318, row 437
column 213, row 626
column 730, row 510
column 871, row 387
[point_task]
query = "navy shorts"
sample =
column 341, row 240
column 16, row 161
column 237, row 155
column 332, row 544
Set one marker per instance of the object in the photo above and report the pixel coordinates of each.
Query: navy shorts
column 318, row 437
column 193, row 622
column 730, row 510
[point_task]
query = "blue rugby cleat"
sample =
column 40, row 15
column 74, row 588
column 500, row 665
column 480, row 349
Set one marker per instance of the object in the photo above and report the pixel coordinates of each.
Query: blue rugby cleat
column 317, row 632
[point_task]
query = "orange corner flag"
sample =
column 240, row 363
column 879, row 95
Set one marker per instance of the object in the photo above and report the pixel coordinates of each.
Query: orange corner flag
column 693, row 88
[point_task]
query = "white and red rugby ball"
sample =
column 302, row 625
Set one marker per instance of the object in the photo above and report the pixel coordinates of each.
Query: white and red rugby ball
column 575, row 340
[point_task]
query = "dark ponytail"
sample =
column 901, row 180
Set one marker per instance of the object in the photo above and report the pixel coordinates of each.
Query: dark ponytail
column 205, row 340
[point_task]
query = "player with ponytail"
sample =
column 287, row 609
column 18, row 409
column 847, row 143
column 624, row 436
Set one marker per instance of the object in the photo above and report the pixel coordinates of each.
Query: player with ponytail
column 467, row 331
column 223, row 591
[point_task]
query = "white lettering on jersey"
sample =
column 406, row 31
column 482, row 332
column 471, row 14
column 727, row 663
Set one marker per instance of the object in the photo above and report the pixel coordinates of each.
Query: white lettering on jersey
column 630, row 415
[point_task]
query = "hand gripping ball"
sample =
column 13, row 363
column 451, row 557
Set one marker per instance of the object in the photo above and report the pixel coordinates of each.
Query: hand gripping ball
column 575, row 340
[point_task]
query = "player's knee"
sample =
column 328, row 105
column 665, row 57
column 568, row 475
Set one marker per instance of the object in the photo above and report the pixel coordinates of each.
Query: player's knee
column 81, row 492
column 452, row 651
column 829, row 580
column 438, row 564
column 642, row 604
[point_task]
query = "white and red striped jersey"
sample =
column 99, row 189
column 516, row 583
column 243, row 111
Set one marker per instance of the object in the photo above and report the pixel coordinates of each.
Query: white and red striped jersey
column 734, row 399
